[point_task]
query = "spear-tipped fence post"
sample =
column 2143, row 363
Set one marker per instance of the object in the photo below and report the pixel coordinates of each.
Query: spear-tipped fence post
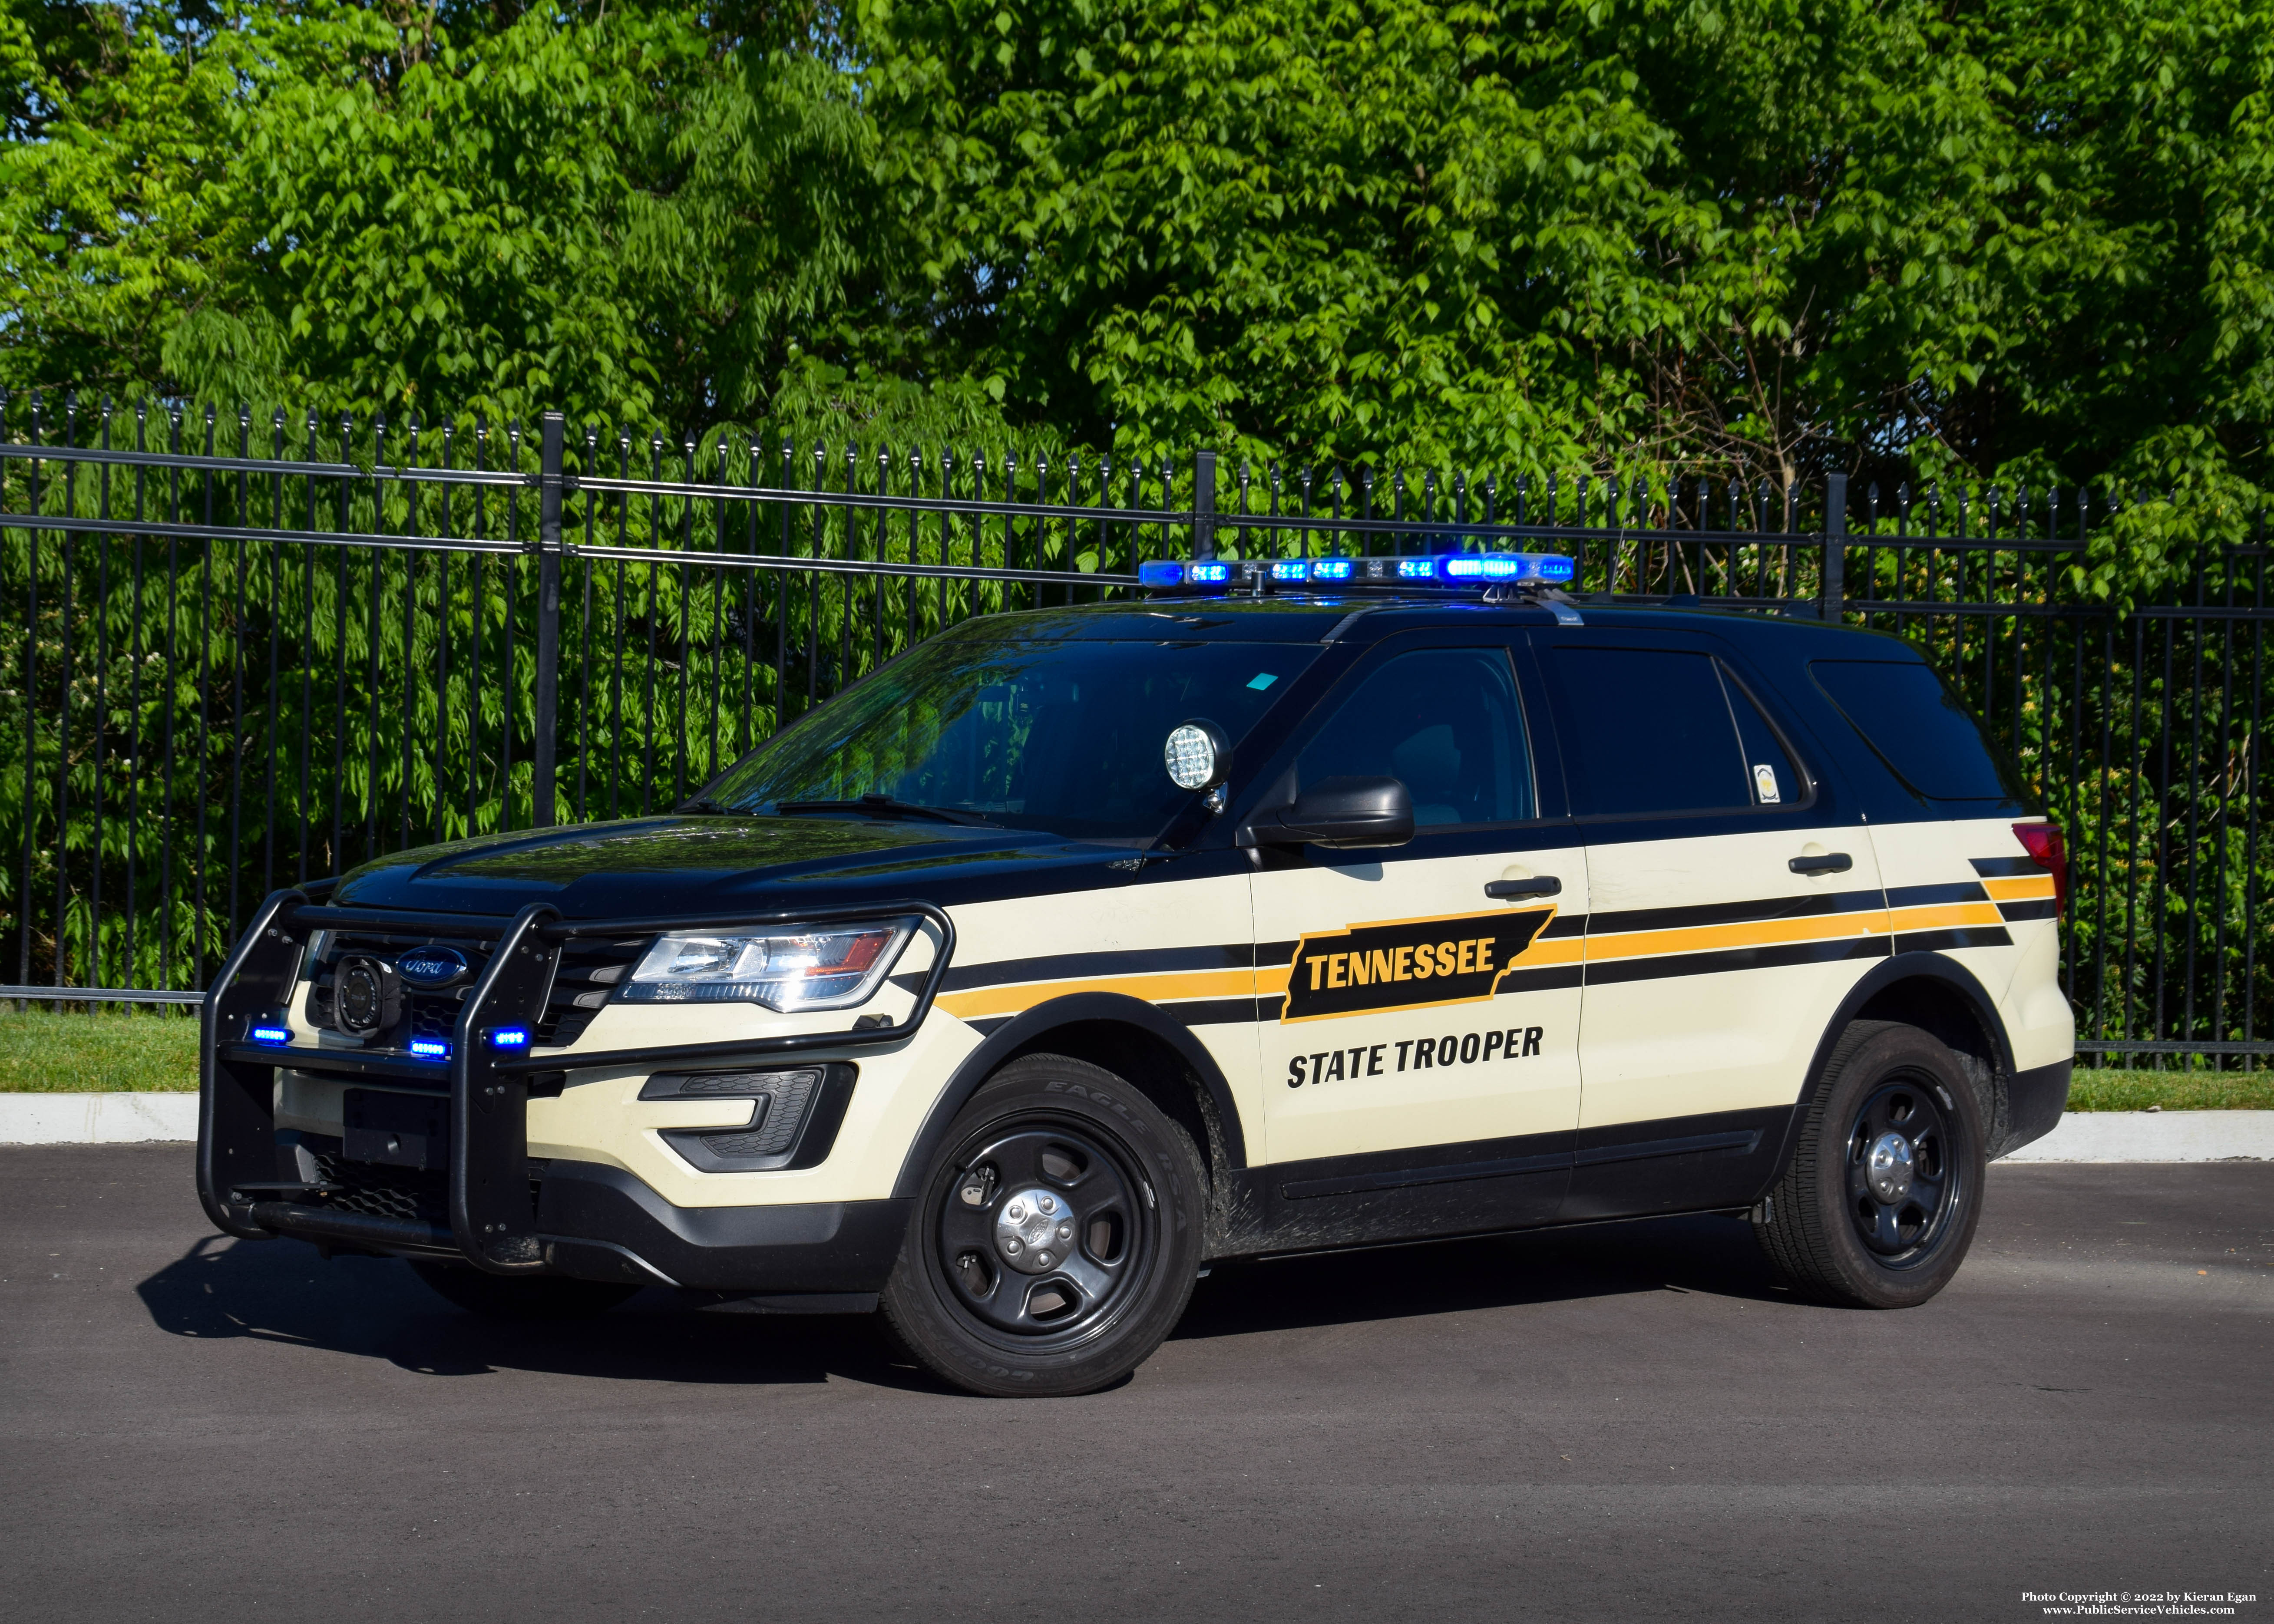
column 1835, row 548
column 549, row 483
column 1204, row 505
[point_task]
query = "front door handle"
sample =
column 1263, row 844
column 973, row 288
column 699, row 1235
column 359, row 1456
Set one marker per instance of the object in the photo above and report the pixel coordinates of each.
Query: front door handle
column 1541, row 885
column 1831, row 862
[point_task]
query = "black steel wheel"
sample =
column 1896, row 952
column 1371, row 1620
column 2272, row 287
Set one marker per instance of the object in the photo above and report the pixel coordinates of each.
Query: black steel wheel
column 519, row 1296
column 1057, row 1237
column 1879, row 1203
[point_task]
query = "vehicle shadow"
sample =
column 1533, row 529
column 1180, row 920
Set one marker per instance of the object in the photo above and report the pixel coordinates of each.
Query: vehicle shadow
column 1712, row 1255
column 375, row 1308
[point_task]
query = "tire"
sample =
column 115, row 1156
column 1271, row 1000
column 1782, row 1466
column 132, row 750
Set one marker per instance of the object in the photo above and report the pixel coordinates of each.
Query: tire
column 983, row 1296
column 1881, row 1200
column 520, row 1297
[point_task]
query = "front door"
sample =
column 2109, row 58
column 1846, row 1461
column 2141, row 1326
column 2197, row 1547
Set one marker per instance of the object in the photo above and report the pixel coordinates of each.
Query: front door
column 1427, row 1032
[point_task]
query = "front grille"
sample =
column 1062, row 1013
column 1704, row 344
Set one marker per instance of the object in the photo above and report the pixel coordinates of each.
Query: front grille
column 590, row 970
column 379, row 1191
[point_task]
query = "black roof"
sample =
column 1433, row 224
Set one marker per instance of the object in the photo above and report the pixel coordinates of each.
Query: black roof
column 1366, row 617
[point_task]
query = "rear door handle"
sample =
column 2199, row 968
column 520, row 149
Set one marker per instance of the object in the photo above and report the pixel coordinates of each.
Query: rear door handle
column 1541, row 885
column 1831, row 862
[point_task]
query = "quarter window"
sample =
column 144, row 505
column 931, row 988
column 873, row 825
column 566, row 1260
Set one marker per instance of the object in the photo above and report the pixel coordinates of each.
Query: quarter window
column 1445, row 722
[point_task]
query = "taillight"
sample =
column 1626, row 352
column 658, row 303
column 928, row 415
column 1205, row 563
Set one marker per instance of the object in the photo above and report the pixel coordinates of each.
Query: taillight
column 2050, row 851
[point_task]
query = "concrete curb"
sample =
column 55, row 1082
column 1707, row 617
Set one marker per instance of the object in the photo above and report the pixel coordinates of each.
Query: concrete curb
column 96, row 1118
column 2156, row 1136
column 2088, row 1136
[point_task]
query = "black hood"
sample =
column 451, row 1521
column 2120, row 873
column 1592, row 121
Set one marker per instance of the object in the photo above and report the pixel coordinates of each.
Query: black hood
column 670, row 865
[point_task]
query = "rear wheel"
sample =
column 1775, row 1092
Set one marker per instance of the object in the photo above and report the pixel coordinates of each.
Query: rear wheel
column 1056, row 1238
column 1879, row 1203
column 519, row 1296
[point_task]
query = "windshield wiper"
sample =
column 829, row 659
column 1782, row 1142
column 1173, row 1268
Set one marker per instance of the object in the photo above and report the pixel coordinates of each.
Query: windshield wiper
column 881, row 806
column 702, row 804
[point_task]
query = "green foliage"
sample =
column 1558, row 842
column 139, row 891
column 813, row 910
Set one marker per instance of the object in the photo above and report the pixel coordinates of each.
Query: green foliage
column 1997, row 240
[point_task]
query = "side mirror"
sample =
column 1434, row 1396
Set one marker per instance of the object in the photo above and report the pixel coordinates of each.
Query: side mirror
column 1338, row 814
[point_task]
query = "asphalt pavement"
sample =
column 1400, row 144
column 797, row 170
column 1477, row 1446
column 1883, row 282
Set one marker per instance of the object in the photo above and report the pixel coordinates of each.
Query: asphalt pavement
column 1625, row 1422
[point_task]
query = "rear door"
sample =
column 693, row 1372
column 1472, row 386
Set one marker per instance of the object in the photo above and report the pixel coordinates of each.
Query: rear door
column 1427, row 1033
column 1733, row 902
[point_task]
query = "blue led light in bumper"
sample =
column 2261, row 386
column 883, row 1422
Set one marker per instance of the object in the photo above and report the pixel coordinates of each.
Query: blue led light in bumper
column 429, row 1049
column 509, row 1037
column 272, row 1034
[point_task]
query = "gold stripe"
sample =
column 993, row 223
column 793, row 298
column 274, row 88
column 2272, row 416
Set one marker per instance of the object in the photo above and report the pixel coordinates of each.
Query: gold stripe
column 2020, row 890
column 1937, row 916
column 1271, row 980
column 1021, row 996
column 1755, row 933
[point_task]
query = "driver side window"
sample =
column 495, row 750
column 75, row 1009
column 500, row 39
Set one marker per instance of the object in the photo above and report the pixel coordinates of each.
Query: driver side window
column 1447, row 723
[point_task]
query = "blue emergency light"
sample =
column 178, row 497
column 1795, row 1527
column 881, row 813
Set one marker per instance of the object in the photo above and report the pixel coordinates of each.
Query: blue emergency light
column 1454, row 569
column 272, row 1034
column 509, row 1037
column 429, row 1049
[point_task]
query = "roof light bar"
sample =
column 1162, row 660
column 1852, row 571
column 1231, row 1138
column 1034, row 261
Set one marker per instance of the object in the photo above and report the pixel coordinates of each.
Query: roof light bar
column 1454, row 569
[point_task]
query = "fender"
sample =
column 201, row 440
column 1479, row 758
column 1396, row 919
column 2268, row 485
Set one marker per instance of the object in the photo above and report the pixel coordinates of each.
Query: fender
column 983, row 1062
column 1901, row 967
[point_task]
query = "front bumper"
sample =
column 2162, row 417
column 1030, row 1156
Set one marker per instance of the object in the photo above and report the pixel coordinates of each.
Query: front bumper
column 491, row 1206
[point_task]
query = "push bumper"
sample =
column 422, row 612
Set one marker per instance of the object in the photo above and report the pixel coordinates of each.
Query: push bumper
column 586, row 1219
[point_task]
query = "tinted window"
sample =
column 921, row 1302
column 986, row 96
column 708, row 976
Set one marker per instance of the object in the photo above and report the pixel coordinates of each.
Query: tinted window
column 1027, row 731
column 1445, row 722
column 1906, row 713
column 1656, row 730
column 1774, row 778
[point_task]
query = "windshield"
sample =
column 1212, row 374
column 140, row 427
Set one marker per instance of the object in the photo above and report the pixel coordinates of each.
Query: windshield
column 1027, row 731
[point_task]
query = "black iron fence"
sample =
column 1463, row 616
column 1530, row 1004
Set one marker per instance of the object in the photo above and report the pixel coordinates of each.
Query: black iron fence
column 243, row 652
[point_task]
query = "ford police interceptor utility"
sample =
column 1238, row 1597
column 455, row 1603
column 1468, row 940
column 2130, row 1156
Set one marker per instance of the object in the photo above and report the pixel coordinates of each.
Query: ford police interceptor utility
column 1294, row 906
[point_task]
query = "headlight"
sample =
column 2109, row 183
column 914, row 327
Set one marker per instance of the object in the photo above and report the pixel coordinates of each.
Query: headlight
column 806, row 970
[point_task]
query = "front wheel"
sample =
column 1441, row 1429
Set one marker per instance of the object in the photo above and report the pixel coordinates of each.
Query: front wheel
column 1879, row 1205
column 1056, row 1237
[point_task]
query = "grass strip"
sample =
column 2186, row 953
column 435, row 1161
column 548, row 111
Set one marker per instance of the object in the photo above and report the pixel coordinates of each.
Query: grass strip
column 156, row 1051
column 110, row 1052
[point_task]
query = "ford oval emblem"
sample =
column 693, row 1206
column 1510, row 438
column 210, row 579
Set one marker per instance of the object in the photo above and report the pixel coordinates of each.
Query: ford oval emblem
column 432, row 967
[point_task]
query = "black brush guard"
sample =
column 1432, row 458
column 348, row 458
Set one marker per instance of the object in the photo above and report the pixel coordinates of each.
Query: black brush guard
column 492, row 1225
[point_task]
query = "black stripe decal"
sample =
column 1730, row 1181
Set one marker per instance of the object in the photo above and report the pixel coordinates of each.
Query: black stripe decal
column 2006, row 868
column 2036, row 907
column 1936, row 941
column 1646, row 1148
column 1305, row 1189
column 1545, row 979
column 1219, row 1012
column 987, row 1026
column 1917, row 896
column 1270, row 954
column 1565, row 924
column 1733, row 913
column 1771, row 957
column 1063, row 966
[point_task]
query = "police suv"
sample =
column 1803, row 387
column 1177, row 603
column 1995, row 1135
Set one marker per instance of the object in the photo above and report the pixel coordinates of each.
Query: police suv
column 1294, row 906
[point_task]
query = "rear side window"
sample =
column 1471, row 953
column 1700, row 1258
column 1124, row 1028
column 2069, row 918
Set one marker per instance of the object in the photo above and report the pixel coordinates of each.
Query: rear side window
column 1662, row 729
column 1907, row 715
